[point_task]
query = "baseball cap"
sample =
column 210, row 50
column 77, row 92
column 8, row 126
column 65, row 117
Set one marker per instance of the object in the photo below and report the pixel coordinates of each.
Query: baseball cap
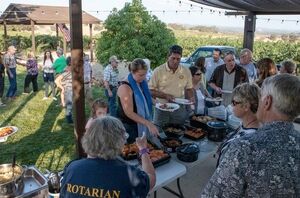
column 114, row 58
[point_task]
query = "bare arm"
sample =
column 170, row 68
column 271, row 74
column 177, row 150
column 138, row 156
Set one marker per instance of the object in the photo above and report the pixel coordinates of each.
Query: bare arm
column 125, row 94
column 190, row 95
column 159, row 94
column 146, row 161
column 215, row 87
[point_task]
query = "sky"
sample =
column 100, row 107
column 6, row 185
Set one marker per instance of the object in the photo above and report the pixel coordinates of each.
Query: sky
column 186, row 14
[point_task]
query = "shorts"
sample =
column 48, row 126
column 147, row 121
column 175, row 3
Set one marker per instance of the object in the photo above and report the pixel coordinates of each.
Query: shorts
column 48, row 77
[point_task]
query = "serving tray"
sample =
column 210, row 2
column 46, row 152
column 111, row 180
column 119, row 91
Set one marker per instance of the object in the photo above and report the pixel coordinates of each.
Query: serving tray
column 35, row 184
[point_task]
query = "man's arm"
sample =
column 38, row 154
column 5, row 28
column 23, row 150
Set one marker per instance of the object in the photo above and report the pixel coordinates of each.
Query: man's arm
column 160, row 94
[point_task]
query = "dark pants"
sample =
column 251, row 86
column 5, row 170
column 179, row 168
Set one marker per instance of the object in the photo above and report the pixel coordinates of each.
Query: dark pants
column 12, row 90
column 112, row 101
column 30, row 79
column 1, row 85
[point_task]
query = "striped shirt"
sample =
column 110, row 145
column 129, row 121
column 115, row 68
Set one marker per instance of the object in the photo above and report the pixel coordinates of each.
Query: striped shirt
column 111, row 75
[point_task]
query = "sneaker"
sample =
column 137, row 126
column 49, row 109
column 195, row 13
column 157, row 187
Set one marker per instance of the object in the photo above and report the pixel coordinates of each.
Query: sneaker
column 25, row 93
column 54, row 98
column 2, row 104
column 45, row 98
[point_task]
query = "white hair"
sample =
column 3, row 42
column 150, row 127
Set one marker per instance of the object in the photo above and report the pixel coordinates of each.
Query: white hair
column 105, row 138
column 285, row 92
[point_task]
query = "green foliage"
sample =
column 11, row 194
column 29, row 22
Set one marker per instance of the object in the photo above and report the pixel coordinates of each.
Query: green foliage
column 278, row 51
column 86, row 42
column 44, row 42
column 132, row 33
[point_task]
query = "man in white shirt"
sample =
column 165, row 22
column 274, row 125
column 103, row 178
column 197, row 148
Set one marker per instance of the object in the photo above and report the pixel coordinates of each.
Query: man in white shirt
column 211, row 64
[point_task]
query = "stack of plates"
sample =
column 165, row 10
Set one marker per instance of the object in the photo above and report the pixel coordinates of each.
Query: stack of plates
column 217, row 112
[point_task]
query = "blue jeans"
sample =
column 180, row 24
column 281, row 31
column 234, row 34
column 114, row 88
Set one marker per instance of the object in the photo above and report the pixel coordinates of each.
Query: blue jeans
column 112, row 101
column 11, row 92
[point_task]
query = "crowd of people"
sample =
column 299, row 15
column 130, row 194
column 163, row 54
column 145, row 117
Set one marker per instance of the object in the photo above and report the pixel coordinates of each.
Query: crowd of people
column 260, row 158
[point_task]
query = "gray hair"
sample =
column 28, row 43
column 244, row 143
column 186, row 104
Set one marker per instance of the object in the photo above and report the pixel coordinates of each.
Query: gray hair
column 105, row 138
column 60, row 51
column 247, row 52
column 247, row 93
column 285, row 92
column 289, row 66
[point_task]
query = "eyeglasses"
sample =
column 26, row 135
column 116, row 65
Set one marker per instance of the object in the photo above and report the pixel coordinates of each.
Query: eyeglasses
column 234, row 103
column 198, row 74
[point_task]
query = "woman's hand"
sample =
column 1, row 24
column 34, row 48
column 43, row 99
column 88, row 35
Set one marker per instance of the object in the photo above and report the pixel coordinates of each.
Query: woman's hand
column 152, row 128
column 141, row 142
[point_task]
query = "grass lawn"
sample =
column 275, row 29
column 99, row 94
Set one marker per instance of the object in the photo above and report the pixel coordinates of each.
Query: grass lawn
column 44, row 138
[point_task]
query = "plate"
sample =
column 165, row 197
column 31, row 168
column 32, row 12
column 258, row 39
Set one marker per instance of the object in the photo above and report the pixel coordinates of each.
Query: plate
column 218, row 99
column 182, row 101
column 226, row 91
column 167, row 106
column 3, row 137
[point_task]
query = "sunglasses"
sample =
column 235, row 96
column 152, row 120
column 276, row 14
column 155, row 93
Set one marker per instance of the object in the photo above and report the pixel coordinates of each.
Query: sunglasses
column 234, row 103
column 198, row 74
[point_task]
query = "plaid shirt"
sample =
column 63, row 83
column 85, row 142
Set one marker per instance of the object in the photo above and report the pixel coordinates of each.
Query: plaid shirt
column 111, row 75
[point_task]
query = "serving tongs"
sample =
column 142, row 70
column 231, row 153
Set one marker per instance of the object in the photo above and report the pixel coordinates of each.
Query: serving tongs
column 13, row 165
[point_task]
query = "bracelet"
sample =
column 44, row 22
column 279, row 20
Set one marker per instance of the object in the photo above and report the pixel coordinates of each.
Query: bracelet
column 143, row 151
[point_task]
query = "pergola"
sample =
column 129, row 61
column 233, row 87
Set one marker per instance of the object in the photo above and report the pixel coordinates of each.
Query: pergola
column 24, row 14
column 251, row 8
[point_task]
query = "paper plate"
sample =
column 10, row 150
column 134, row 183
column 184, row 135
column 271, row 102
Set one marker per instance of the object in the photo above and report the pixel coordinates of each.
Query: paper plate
column 182, row 101
column 167, row 106
column 4, row 137
column 226, row 91
column 218, row 99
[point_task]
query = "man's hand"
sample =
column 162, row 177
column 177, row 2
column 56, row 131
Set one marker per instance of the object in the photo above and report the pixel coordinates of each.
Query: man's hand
column 169, row 97
column 218, row 90
column 110, row 94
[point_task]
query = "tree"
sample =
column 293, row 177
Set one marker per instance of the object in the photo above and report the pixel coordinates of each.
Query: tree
column 133, row 33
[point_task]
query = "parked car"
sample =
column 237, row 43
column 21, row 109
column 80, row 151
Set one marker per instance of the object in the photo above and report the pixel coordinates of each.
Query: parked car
column 206, row 51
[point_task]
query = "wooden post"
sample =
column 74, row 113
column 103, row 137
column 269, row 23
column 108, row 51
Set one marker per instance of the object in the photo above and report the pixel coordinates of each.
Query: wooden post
column 91, row 44
column 77, row 71
column 4, row 35
column 32, row 36
column 57, row 34
column 249, row 30
column 65, row 45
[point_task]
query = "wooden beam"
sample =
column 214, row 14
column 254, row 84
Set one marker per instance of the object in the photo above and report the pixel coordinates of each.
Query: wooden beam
column 32, row 36
column 65, row 45
column 249, row 30
column 5, row 35
column 77, row 71
column 91, row 43
column 57, row 34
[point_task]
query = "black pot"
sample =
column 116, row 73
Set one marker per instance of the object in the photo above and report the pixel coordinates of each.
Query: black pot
column 216, row 130
column 178, row 131
column 199, row 123
column 188, row 152
column 171, row 148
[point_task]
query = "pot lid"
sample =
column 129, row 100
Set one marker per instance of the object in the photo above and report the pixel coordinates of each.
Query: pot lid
column 217, row 124
column 189, row 148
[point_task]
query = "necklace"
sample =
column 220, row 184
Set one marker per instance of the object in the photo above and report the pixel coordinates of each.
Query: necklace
column 252, row 121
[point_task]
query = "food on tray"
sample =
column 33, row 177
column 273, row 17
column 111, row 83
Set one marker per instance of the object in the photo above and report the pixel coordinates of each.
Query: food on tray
column 156, row 155
column 203, row 119
column 172, row 143
column 7, row 175
column 132, row 149
column 165, row 106
column 5, row 131
column 196, row 133
column 173, row 130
